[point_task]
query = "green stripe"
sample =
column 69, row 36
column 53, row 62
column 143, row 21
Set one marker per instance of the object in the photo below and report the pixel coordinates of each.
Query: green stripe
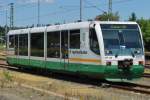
column 100, row 71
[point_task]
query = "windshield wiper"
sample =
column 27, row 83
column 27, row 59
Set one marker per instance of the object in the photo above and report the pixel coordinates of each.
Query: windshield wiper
column 132, row 53
column 121, row 38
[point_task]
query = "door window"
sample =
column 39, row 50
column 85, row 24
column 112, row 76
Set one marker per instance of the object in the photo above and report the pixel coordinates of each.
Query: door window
column 75, row 39
column 53, row 44
column 37, row 44
column 64, row 43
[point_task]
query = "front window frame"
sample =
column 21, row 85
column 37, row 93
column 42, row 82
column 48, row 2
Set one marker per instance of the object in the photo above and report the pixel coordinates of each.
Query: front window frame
column 93, row 41
column 122, row 29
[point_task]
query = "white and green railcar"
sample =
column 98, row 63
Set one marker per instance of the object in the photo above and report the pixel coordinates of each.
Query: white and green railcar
column 107, row 50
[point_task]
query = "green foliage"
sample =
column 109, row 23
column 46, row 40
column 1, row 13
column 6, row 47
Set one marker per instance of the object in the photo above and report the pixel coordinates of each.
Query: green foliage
column 145, row 27
column 133, row 17
column 2, row 31
column 7, row 76
column 2, row 46
column 110, row 17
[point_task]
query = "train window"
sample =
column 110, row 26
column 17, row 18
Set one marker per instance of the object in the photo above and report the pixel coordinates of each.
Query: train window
column 11, row 41
column 53, row 44
column 37, row 44
column 23, row 44
column 75, row 39
column 16, row 44
column 94, row 46
column 64, row 43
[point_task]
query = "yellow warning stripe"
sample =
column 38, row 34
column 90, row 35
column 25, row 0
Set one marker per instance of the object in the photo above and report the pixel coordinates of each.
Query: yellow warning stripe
column 85, row 60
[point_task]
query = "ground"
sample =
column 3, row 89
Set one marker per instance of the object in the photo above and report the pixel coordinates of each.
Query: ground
column 24, row 86
column 20, row 93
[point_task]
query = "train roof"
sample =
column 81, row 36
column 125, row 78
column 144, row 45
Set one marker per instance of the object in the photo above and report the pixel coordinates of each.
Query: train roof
column 75, row 25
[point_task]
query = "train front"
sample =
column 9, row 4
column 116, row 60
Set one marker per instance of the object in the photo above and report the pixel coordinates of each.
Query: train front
column 124, row 52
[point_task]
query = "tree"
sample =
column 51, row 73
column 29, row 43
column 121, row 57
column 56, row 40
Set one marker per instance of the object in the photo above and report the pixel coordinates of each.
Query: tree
column 133, row 17
column 108, row 17
column 145, row 27
column 2, row 31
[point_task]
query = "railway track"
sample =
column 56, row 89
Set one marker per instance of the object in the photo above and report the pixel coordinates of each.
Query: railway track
column 147, row 75
column 11, row 68
column 6, row 66
column 147, row 66
column 137, row 88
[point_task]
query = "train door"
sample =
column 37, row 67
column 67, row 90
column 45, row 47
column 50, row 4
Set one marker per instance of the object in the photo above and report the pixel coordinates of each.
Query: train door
column 65, row 48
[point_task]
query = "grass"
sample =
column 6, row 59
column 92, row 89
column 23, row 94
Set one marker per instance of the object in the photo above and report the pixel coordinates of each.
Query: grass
column 2, row 46
column 5, row 78
column 2, row 52
column 7, row 75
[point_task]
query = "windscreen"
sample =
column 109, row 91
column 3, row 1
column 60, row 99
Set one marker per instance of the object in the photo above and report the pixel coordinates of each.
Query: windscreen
column 117, row 36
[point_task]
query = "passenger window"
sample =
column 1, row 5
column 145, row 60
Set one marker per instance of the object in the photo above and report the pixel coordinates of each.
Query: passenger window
column 11, row 41
column 94, row 45
column 37, row 44
column 53, row 44
column 23, row 44
column 75, row 39
column 64, row 43
column 16, row 44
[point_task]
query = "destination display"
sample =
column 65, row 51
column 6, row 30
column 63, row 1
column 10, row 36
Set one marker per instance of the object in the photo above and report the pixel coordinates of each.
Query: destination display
column 118, row 26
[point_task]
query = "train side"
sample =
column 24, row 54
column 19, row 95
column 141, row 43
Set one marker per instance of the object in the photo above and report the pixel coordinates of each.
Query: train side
column 76, row 48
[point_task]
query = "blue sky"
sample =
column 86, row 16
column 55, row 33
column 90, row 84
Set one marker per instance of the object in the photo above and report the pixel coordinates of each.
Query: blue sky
column 60, row 11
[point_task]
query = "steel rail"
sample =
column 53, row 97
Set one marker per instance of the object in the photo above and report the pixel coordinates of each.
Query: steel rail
column 146, row 75
column 128, row 88
column 147, row 66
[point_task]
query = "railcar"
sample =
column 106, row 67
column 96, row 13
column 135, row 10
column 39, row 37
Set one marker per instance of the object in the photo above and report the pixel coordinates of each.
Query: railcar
column 101, row 49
